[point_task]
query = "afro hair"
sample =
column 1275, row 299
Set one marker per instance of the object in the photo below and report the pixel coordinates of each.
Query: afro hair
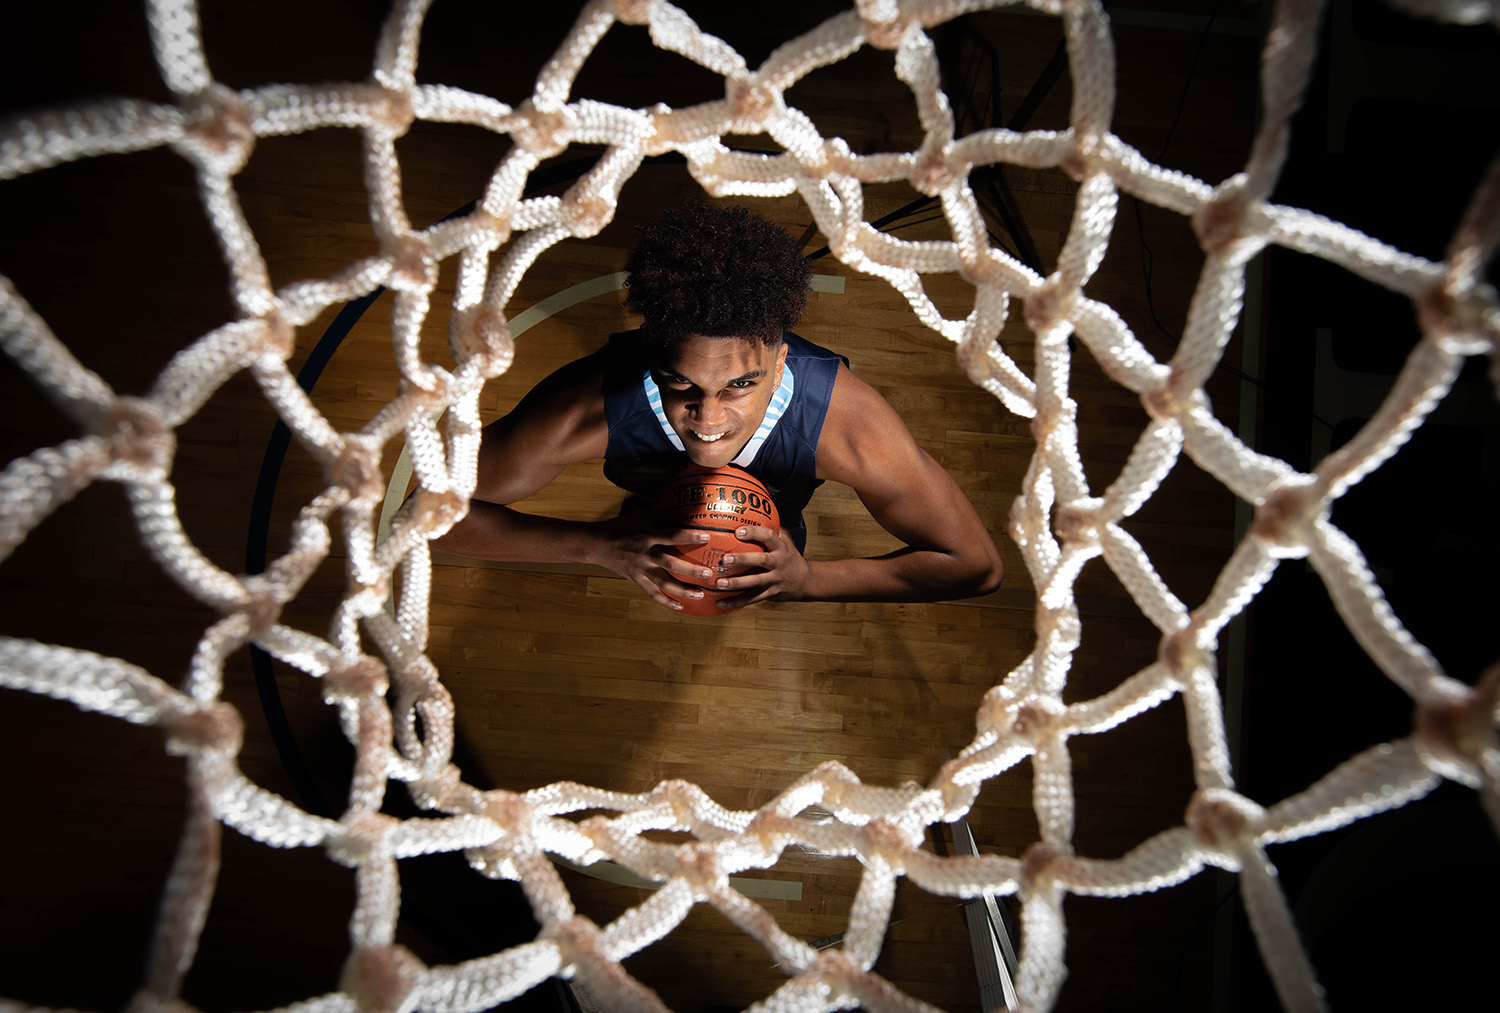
column 716, row 271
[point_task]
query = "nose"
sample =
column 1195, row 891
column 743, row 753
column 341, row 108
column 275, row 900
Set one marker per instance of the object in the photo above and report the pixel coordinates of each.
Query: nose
column 708, row 411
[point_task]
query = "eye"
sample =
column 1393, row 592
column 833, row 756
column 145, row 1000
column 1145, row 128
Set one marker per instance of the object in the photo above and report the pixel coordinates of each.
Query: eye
column 742, row 384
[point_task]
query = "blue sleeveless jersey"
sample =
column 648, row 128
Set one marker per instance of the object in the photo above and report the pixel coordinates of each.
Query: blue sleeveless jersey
column 644, row 451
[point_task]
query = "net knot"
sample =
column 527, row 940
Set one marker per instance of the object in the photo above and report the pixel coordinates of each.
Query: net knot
column 1455, row 734
column 1168, row 403
column 974, row 352
column 1042, row 426
column 668, row 130
column 838, row 969
column 602, row 834
column 836, row 779
column 1041, row 865
column 542, row 132
column 413, row 266
column 508, row 809
column 1058, row 623
column 1081, row 162
column 217, row 727
column 277, row 336
column 1037, row 720
column 699, row 864
column 1285, row 516
column 1078, row 522
column 486, row 333
column 632, row 12
column 220, row 135
column 262, row 605
column 933, row 173
column 1459, row 317
column 364, row 836
column 496, row 223
column 769, row 827
column 577, row 937
column 435, row 512
column 888, row 34
column 383, row 979
column 681, row 796
column 585, row 212
column 1180, row 653
column 360, row 679
column 1047, row 306
column 396, row 112
column 766, row 825
column 1219, row 223
column 357, row 470
column 996, row 710
column 889, row 840
column 513, row 815
column 832, row 156
column 1221, row 819
column 444, row 790
column 141, row 444
column 883, row 25
column 751, row 102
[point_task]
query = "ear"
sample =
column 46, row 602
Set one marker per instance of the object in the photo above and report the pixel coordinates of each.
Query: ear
column 780, row 361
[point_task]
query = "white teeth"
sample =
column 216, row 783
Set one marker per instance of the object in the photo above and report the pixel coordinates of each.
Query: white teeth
column 709, row 439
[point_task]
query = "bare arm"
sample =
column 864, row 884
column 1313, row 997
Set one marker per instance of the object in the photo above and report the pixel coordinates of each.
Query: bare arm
column 558, row 423
column 948, row 553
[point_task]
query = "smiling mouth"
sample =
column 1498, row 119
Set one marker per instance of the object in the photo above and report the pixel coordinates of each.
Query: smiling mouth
column 707, row 439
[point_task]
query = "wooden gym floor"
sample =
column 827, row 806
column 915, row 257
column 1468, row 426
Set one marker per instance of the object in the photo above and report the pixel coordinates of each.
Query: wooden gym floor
column 566, row 673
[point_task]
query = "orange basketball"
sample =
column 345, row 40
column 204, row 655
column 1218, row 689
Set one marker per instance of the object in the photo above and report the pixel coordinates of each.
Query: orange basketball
column 719, row 501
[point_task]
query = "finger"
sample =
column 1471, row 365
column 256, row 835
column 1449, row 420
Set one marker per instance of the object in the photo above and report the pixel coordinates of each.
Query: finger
column 750, row 557
column 745, row 582
column 739, row 601
column 663, row 539
column 679, row 589
column 673, row 563
column 660, row 596
column 756, row 533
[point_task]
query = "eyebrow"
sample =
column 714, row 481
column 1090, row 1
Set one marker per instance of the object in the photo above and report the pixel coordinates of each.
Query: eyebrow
column 754, row 374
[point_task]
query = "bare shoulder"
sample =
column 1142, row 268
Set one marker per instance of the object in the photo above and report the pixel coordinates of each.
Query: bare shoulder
column 559, row 422
column 867, row 447
column 862, row 437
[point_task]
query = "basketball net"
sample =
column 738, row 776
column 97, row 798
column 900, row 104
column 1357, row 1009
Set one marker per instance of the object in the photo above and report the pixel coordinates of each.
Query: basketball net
column 394, row 707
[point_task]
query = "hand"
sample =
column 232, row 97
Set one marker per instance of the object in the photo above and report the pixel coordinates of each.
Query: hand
column 635, row 548
column 784, row 570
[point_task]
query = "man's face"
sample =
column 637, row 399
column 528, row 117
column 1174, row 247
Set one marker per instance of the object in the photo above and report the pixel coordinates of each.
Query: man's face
column 715, row 392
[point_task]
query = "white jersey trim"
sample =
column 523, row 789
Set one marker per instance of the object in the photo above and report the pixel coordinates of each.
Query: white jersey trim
column 779, row 402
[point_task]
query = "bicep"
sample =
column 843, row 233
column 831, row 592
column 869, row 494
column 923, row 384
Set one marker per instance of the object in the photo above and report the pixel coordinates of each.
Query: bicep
column 559, row 423
column 867, row 447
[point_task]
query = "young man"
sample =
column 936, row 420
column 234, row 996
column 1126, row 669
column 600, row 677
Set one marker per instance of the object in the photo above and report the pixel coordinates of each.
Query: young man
column 714, row 376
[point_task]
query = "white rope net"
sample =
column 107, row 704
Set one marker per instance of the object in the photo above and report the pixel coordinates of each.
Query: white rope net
column 394, row 707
